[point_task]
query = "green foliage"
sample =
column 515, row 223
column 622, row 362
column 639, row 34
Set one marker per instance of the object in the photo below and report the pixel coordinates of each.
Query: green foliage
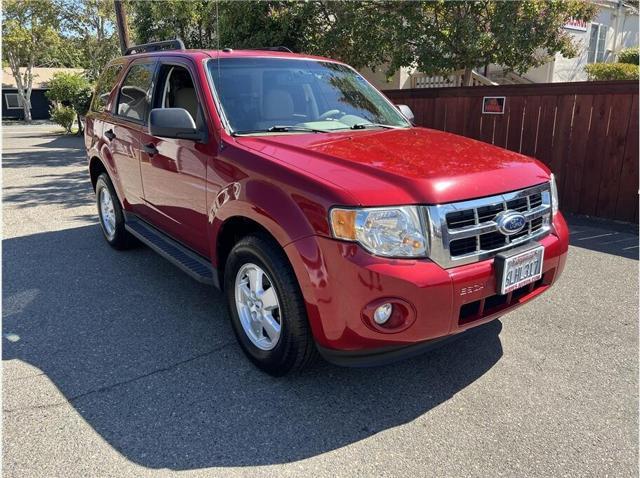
column 445, row 36
column 192, row 21
column 350, row 31
column 29, row 31
column 435, row 36
column 629, row 55
column 71, row 89
column 64, row 116
column 261, row 24
column 91, row 34
column 612, row 71
column 360, row 33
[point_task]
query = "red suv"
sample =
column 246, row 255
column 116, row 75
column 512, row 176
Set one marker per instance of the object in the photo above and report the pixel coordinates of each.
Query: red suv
column 331, row 223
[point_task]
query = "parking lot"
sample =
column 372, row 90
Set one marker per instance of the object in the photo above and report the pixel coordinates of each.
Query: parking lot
column 118, row 364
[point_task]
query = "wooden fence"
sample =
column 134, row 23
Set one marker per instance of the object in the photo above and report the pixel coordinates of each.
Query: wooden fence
column 586, row 132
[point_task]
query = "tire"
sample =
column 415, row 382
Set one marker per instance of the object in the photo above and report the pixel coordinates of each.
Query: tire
column 294, row 349
column 111, row 215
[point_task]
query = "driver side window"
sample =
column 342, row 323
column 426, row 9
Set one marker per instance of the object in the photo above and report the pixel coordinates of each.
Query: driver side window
column 177, row 90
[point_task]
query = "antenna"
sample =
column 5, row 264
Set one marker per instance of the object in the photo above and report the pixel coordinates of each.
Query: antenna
column 219, row 88
column 217, row 28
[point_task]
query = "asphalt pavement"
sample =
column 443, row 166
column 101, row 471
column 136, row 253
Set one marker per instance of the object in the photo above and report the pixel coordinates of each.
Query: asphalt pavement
column 118, row 364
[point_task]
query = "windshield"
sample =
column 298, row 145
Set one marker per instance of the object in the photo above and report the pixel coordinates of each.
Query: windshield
column 285, row 95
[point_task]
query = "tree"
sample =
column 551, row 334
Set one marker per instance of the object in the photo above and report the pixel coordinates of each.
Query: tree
column 263, row 24
column 434, row 36
column 445, row 36
column 350, row 31
column 90, row 28
column 192, row 21
column 29, row 30
column 71, row 90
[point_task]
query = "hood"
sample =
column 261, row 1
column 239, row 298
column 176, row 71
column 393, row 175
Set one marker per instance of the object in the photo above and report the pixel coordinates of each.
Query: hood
column 404, row 166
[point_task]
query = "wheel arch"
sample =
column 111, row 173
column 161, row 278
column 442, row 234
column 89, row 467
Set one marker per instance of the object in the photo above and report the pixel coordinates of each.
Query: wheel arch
column 232, row 230
column 96, row 168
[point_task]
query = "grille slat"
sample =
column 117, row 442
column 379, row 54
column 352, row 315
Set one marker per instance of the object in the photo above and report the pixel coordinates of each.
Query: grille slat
column 536, row 200
column 461, row 219
column 489, row 213
column 520, row 205
column 463, row 246
column 492, row 240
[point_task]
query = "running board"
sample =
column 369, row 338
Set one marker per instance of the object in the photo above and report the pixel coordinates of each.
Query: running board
column 190, row 262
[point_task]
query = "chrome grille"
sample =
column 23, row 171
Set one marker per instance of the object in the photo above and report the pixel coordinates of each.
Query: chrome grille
column 467, row 231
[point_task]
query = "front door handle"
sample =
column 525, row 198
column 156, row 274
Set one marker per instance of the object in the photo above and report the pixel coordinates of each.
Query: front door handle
column 110, row 134
column 150, row 149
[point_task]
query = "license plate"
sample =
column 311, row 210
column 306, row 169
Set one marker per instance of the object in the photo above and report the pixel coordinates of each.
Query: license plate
column 519, row 267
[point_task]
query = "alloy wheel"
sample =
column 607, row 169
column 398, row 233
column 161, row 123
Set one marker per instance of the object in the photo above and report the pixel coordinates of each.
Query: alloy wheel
column 258, row 306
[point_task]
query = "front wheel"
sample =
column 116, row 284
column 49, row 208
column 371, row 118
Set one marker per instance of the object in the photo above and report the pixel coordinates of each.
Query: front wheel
column 266, row 305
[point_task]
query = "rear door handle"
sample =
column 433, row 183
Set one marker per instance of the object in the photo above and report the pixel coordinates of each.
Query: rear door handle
column 150, row 149
column 110, row 134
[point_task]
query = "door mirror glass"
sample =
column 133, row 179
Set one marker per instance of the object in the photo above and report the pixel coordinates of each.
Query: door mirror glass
column 406, row 112
column 173, row 123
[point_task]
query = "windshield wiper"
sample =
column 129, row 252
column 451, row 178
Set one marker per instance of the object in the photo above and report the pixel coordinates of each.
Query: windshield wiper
column 281, row 129
column 374, row 125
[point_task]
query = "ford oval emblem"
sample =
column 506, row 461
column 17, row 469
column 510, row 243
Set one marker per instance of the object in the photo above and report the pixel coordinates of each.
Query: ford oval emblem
column 510, row 222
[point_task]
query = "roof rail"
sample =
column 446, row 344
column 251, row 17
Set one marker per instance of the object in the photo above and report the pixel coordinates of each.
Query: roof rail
column 176, row 44
column 273, row 48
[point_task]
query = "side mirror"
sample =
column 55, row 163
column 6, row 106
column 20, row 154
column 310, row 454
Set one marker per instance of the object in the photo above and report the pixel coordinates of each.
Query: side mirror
column 173, row 123
column 406, row 112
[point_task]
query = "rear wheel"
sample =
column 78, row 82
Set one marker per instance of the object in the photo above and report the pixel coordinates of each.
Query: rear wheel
column 266, row 305
column 111, row 215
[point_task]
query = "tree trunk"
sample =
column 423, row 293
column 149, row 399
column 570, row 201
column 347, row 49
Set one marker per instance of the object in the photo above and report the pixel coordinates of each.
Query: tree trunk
column 26, row 108
column 467, row 78
column 24, row 90
column 80, row 128
column 123, row 26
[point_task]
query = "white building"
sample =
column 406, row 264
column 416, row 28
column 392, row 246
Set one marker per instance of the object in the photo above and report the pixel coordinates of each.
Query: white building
column 614, row 28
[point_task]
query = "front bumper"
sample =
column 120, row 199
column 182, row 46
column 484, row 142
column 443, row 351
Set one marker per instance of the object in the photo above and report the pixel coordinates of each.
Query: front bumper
column 339, row 280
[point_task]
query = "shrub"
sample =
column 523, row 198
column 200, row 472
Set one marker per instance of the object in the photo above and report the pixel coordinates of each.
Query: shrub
column 612, row 71
column 64, row 116
column 629, row 55
column 71, row 89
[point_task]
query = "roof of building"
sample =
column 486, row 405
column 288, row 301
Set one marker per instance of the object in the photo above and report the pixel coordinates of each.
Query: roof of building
column 41, row 76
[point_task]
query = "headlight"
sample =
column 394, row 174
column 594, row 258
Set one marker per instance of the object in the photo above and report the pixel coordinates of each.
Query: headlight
column 389, row 231
column 554, row 195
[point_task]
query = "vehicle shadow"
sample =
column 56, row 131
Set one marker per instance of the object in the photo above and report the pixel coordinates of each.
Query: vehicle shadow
column 147, row 357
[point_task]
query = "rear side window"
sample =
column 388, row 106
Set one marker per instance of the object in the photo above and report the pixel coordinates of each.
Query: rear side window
column 135, row 92
column 106, row 82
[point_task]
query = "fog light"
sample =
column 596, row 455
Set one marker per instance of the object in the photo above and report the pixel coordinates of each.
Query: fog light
column 382, row 313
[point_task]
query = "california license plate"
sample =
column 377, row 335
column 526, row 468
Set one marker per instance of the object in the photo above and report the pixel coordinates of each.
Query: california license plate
column 519, row 267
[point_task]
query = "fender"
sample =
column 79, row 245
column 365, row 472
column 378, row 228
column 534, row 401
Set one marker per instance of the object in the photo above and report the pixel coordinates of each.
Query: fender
column 289, row 203
column 286, row 217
